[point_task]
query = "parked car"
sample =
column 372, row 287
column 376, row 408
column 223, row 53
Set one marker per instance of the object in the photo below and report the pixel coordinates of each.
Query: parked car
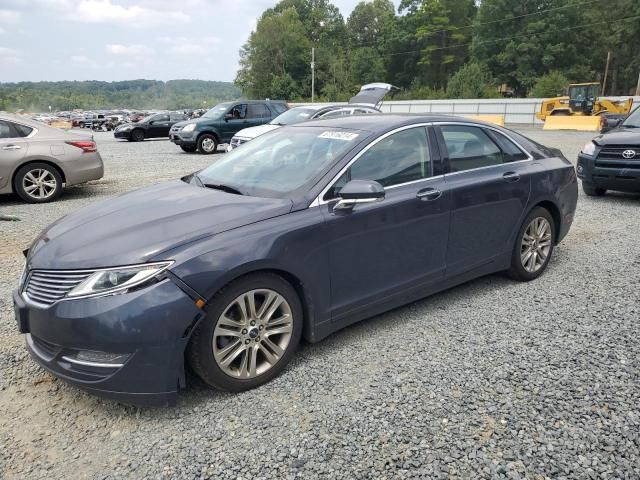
column 153, row 126
column 297, row 115
column 297, row 234
column 36, row 160
column 221, row 123
column 367, row 101
column 611, row 161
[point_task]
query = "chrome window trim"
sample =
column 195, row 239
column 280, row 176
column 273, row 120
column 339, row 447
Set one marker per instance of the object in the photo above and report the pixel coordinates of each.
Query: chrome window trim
column 319, row 199
column 34, row 130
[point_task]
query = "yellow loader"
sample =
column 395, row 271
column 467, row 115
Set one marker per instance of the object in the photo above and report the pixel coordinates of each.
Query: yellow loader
column 582, row 109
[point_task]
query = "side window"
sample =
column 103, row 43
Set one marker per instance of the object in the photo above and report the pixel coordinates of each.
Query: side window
column 239, row 112
column 469, row 148
column 342, row 112
column 363, row 111
column 400, row 158
column 279, row 108
column 510, row 151
column 23, row 130
column 178, row 117
column 162, row 118
column 257, row 110
column 5, row 130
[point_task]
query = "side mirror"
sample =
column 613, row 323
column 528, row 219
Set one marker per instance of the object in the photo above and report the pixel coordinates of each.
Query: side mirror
column 357, row 192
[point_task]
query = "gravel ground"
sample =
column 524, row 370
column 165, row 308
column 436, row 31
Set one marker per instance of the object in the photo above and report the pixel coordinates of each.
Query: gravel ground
column 493, row 379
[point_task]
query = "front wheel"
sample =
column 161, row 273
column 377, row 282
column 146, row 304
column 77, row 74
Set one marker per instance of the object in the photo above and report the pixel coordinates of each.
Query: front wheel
column 207, row 144
column 137, row 135
column 250, row 333
column 534, row 246
column 592, row 191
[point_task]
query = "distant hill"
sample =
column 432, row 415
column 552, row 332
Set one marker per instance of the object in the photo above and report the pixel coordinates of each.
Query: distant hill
column 132, row 94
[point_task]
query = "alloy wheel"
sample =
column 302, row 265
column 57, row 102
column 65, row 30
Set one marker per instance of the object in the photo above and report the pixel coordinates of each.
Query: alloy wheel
column 252, row 334
column 39, row 183
column 536, row 244
column 208, row 145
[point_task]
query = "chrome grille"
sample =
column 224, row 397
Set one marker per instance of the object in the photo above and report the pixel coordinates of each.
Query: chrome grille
column 615, row 152
column 48, row 286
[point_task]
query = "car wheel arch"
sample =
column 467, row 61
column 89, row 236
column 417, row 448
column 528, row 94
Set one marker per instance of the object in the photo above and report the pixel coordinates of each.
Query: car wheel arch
column 29, row 162
column 209, row 132
column 553, row 209
column 293, row 280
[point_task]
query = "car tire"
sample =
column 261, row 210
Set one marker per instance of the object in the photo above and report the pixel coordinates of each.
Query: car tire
column 38, row 182
column 189, row 148
column 534, row 246
column 592, row 191
column 249, row 356
column 207, row 144
column 137, row 135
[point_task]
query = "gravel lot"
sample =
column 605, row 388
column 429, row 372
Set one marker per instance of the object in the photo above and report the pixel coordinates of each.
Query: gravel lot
column 493, row 379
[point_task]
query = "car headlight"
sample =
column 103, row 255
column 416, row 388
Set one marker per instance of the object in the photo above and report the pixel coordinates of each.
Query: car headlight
column 189, row 128
column 589, row 148
column 118, row 280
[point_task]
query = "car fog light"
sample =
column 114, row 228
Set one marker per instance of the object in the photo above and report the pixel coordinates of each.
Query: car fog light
column 580, row 168
column 92, row 358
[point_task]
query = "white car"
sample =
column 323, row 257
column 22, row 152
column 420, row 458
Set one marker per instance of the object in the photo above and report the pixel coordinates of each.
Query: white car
column 367, row 101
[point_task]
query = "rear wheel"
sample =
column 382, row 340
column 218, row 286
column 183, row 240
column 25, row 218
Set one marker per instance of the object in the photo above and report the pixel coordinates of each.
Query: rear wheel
column 207, row 144
column 250, row 333
column 188, row 148
column 534, row 246
column 137, row 135
column 38, row 183
column 592, row 191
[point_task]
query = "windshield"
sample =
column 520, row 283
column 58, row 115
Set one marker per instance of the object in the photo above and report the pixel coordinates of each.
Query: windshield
column 217, row 111
column 295, row 115
column 633, row 120
column 281, row 162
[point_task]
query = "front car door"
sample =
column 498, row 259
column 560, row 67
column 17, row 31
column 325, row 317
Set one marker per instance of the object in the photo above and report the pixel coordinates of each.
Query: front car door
column 379, row 250
column 13, row 148
column 159, row 126
column 234, row 120
column 489, row 177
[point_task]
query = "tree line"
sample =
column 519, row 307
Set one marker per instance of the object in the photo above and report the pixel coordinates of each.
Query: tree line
column 132, row 94
column 442, row 48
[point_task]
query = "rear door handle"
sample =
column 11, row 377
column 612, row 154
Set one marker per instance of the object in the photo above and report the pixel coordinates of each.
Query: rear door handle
column 511, row 176
column 428, row 194
column 12, row 147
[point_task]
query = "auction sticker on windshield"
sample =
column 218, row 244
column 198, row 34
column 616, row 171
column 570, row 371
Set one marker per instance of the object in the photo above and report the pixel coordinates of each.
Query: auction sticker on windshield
column 334, row 135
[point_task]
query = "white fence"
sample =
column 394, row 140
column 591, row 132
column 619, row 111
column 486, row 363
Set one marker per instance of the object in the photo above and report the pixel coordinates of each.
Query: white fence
column 519, row 111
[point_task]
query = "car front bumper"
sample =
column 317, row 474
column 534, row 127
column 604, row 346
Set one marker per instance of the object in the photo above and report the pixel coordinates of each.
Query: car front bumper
column 187, row 139
column 621, row 175
column 152, row 326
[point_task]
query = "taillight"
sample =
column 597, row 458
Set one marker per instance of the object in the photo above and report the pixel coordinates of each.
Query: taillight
column 85, row 145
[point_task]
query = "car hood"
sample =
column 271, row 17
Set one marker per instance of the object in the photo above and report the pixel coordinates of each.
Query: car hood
column 619, row 136
column 182, row 123
column 140, row 226
column 253, row 132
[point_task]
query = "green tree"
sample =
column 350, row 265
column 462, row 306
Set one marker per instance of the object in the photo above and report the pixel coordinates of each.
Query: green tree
column 550, row 85
column 473, row 80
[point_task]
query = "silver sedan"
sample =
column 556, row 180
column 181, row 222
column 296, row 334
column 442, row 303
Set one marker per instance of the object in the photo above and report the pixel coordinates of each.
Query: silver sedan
column 36, row 160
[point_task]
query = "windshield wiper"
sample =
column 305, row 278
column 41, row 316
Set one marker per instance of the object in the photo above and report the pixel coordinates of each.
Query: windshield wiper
column 224, row 188
column 630, row 126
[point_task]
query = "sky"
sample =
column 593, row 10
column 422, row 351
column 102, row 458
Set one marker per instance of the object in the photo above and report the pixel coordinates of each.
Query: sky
column 50, row 40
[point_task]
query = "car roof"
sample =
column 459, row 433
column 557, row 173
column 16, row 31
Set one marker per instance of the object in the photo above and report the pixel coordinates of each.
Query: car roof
column 20, row 119
column 384, row 122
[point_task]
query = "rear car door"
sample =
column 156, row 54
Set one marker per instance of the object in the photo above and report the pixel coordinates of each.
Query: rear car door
column 257, row 114
column 384, row 248
column 159, row 126
column 489, row 177
column 13, row 148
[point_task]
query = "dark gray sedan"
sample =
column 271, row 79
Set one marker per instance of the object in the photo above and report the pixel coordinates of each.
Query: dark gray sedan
column 294, row 235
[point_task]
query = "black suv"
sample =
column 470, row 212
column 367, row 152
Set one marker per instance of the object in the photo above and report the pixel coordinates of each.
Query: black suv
column 220, row 123
column 153, row 126
column 611, row 161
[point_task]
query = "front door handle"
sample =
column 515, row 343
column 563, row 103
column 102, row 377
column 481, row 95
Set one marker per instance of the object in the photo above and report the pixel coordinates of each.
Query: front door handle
column 428, row 194
column 12, row 147
column 511, row 176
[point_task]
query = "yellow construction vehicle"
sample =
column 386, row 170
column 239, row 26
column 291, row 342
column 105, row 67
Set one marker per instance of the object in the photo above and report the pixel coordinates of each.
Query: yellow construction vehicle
column 583, row 100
